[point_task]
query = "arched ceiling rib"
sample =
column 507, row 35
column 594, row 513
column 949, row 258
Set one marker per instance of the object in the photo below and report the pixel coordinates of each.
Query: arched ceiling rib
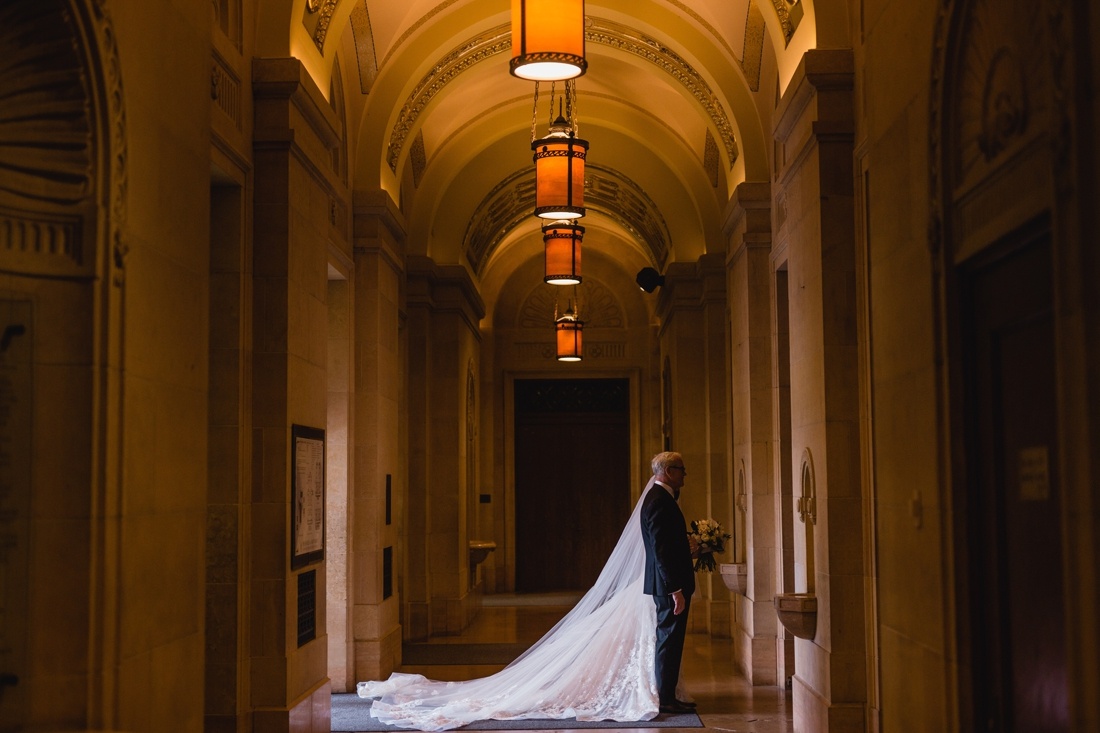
column 599, row 31
column 607, row 192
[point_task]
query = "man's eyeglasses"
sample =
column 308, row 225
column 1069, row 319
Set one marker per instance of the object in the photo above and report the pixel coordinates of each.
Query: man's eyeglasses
column 681, row 468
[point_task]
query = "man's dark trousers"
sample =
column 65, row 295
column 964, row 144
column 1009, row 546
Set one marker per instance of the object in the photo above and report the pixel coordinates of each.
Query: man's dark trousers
column 671, row 633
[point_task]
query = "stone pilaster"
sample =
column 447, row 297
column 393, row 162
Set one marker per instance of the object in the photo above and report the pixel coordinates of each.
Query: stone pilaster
column 380, row 479
column 444, row 311
column 815, row 223
column 757, row 542
column 692, row 310
column 299, row 214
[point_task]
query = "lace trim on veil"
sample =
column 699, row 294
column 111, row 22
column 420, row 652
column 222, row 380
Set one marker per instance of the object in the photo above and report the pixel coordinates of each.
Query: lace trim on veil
column 594, row 664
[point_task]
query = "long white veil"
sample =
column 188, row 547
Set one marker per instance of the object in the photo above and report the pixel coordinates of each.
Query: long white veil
column 594, row 664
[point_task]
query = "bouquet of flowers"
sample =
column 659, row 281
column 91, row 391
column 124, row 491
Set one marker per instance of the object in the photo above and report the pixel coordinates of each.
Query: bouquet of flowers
column 711, row 538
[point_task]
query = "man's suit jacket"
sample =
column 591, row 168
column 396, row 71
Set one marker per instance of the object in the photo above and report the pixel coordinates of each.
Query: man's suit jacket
column 668, row 564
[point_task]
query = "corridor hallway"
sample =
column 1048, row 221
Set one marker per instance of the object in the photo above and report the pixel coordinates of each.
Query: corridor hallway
column 727, row 702
column 280, row 377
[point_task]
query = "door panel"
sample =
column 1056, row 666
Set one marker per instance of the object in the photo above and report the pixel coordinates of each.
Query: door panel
column 572, row 480
column 1014, row 507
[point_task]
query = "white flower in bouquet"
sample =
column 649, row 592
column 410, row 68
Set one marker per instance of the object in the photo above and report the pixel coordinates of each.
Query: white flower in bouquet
column 710, row 539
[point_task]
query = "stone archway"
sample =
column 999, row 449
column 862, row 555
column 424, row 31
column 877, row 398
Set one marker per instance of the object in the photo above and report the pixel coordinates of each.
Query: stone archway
column 61, row 267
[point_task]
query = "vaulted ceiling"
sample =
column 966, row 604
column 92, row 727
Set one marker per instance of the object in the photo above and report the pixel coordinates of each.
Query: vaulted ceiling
column 676, row 105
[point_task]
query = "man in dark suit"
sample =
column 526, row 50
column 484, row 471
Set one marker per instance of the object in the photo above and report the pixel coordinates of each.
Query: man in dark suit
column 669, row 574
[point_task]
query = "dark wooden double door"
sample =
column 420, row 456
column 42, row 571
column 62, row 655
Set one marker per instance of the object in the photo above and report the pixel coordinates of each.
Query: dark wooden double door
column 572, row 473
column 1012, row 575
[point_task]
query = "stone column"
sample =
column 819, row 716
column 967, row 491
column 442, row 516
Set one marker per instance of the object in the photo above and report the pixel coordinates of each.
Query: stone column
column 749, row 273
column 815, row 222
column 379, row 477
column 299, row 205
column 692, row 310
column 444, row 310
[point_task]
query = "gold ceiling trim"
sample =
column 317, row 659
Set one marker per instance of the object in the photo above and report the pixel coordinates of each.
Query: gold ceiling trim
column 683, row 8
column 322, row 11
column 445, row 70
column 365, row 54
column 606, row 191
column 608, row 33
column 752, row 60
column 753, row 50
column 787, row 21
column 632, row 41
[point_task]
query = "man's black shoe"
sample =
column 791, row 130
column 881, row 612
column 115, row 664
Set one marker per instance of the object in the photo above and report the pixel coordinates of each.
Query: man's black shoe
column 676, row 708
column 686, row 702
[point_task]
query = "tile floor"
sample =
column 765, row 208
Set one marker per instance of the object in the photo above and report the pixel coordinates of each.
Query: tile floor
column 726, row 701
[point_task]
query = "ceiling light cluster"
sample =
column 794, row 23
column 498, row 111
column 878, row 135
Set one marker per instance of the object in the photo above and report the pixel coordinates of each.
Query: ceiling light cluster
column 548, row 46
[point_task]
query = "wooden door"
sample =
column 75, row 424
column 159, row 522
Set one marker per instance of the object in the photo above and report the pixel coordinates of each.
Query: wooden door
column 572, row 454
column 1016, row 594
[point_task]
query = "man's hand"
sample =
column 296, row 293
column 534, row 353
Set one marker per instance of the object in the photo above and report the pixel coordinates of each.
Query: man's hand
column 678, row 603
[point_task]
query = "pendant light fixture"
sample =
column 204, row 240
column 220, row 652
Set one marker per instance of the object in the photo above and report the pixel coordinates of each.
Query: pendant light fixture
column 562, row 240
column 547, row 39
column 569, row 329
column 559, row 161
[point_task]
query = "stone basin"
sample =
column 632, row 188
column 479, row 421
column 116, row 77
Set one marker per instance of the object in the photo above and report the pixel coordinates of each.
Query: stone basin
column 480, row 549
column 735, row 576
column 798, row 613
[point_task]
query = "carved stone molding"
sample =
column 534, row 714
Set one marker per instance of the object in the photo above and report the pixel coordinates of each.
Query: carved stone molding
column 418, row 158
column 807, row 499
column 998, row 85
column 317, row 20
column 631, row 41
column 454, row 63
column 597, row 304
column 1004, row 105
column 710, row 159
column 790, row 14
column 365, row 55
column 225, row 90
column 46, row 124
column 57, row 112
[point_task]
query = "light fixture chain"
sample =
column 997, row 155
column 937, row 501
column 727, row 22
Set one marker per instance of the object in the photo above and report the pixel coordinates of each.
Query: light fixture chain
column 570, row 104
column 535, row 112
column 553, row 93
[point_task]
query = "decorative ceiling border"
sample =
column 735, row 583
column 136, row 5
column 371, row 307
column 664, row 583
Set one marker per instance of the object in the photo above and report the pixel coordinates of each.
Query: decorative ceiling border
column 788, row 23
column 604, row 32
column 632, row 41
column 752, row 57
column 446, row 69
column 606, row 191
column 751, row 54
column 365, row 55
column 323, row 9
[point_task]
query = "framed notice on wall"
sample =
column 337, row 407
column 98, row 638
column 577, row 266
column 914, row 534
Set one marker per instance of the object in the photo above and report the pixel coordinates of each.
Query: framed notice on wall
column 307, row 495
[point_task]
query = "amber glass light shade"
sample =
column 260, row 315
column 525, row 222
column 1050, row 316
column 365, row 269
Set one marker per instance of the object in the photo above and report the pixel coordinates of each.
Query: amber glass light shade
column 559, row 176
column 547, row 39
column 563, row 252
column 569, row 333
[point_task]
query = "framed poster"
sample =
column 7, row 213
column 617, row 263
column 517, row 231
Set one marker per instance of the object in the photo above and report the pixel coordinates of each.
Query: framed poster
column 307, row 496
